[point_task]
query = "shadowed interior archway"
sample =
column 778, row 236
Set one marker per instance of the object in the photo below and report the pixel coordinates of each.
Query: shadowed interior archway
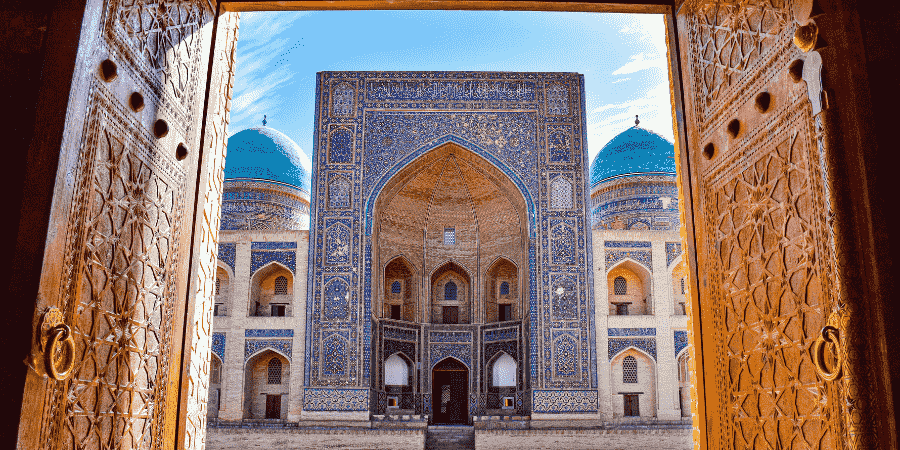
column 449, row 204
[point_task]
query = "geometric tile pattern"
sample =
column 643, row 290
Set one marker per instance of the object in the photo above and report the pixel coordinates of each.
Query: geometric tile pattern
column 261, row 258
column 626, row 244
column 272, row 245
column 673, row 249
column 631, row 331
column 254, row 346
column 269, row 333
column 643, row 257
column 616, row 346
column 227, row 252
column 462, row 352
column 550, row 402
column 317, row 399
column 681, row 341
column 218, row 345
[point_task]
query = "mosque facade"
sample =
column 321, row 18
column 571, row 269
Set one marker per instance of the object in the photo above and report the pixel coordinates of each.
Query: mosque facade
column 453, row 256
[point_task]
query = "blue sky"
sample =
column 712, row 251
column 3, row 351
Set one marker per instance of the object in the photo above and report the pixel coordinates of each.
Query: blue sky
column 622, row 58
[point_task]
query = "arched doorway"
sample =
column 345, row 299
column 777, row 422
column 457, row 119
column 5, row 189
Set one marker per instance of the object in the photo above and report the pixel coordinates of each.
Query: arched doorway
column 450, row 392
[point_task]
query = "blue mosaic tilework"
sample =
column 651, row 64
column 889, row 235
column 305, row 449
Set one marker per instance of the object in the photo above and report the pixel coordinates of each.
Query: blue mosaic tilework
column 616, row 346
column 462, row 352
column 269, row 333
column 564, row 401
column 399, row 333
column 643, row 257
column 334, row 356
column 562, row 239
column 337, row 299
column 627, row 244
column 450, row 336
column 631, row 331
column 559, row 144
column 227, row 252
column 452, row 90
column 340, row 149
column 218, row 345
column 272, row 245
column 502, row 334
column 681, row 341
column 316, row 399
column 254, row 346
column 565, row 358
column 402, row 122
column 673, row 249
column 564, row 289
column 258, row 205
column 337, row 244
column 262, row 257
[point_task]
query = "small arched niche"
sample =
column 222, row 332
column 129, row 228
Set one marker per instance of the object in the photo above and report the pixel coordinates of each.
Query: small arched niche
column 503, row 372
column 633, row 380
column 400, row 296
column 501, row 292
column 271, row 291
column 679, row 289
column 684, row 383
column 629, row 285
column 214, row 402
column 221, row 293
column 267, row 377
column 451, row 294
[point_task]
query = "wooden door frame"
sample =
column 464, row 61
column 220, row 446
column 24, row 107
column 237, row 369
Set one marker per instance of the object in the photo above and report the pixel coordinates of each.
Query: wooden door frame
column 861, row 135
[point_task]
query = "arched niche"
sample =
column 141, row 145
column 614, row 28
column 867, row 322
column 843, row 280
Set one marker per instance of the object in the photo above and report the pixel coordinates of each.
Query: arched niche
column 630, row 289
column 271, row 291
column 398, row 373
column 400, row 301
column 214, row 401
column 222, row 291
column 501, row 292
column 504, row 372
column 453, row 191
column 634, row 393
column 684, row 382
column 267, row 377
column 679, row 289
column 451, row 294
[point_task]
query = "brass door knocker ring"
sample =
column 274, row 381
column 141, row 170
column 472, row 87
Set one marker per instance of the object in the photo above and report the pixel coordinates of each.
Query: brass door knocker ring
column 60, row 342
column 830, row 335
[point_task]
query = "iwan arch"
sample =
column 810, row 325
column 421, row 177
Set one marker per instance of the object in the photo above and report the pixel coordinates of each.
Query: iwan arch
column 805, row 163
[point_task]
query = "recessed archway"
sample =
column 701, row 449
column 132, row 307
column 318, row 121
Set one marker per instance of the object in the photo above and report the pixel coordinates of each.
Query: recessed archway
column 450, row 392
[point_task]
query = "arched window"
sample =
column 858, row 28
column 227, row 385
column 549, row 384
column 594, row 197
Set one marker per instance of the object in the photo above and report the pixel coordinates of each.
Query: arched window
column 281, row 286
column 629, row 370
column 450, row 291
column 504, row 372
column 395, row 287
column 218, row 285
column 274, row 375
column 396, row 371
column 504, row 288
column 682, row 286
column 620, row 286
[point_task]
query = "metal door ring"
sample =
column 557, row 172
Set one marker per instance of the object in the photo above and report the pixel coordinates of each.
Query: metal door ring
column 60, row 335
column 830, row 335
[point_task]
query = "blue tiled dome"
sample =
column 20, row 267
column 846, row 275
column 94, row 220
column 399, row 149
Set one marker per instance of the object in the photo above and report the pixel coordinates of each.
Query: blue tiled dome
column 635, row 150
column 263, row 153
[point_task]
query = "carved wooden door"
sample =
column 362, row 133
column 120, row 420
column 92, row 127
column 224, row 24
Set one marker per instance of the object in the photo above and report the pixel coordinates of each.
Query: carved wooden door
column 126, row 341
column 764, row 282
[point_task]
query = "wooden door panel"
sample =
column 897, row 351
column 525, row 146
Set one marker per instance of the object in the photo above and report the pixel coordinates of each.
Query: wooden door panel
column 761, row 236
column 118, row 255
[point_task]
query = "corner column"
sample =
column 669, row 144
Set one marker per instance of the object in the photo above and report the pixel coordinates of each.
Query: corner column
column 663, row 302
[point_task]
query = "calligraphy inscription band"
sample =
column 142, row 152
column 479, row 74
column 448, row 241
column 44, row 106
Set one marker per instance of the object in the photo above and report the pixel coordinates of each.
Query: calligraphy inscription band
column 829, row 335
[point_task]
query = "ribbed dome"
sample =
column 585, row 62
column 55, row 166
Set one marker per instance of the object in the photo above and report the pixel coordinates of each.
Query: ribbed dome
column 635, row 150
column 263, row 153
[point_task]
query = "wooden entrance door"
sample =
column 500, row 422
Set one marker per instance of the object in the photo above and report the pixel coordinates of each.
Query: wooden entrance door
column 450, row 392
column 273, row 406
column 118, row 284
column 632, row 409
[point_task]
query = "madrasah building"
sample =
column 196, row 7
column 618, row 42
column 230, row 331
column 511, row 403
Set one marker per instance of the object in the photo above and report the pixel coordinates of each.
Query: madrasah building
column 452, row 257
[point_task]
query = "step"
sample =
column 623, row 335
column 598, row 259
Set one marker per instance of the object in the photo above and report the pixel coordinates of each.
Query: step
column 450, row 437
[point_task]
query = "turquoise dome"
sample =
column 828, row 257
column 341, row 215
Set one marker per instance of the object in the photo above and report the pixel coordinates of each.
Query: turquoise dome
column 263, row 153
column 635, row 150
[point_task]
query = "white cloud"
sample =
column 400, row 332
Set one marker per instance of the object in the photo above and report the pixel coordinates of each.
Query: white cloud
column 621, row 80
column 638, row 63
